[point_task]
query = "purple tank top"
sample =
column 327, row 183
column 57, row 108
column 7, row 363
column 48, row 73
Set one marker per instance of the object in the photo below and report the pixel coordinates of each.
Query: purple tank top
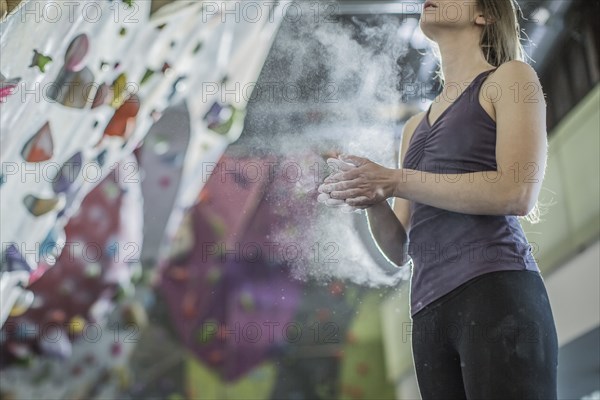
column 448, row 248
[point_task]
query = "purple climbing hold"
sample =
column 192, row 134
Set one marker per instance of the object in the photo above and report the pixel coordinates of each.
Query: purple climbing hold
column 14, row 261
column 68, row 174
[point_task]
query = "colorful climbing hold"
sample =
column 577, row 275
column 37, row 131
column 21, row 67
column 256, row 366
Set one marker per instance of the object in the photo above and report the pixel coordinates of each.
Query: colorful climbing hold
column 22, row 303
column 147, row 75
column 13, row 260
column 189, row 305
column 57, row 316
column 68, row 174
column 38, row 207
column 116, row 349
column 39, row 60
column 7, row 87
column 119, row 88
column 122, row 122
column 76, row 53
column 101, row 157
column 93, row 270
column 77, row 325
column 40, row 147
column 101, row 96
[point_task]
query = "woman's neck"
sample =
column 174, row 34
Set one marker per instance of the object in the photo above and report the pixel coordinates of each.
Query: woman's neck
column 462, row 58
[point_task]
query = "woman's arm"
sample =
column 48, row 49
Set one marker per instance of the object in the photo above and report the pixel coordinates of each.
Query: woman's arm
column 521, row 148
column 388, row 233
column 389, row 225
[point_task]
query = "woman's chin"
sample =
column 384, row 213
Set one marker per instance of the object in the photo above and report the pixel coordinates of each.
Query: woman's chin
column 428, row 29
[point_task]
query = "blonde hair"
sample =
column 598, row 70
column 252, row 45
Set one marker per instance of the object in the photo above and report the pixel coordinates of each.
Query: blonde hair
column 500, row 43
column 501, row 39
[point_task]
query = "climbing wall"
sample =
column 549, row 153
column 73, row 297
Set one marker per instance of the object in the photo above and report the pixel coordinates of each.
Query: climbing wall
column 109, row 113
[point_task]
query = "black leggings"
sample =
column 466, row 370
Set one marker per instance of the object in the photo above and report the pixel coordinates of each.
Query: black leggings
column 491, row 338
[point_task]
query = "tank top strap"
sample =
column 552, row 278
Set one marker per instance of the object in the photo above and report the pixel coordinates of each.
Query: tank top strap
column 475, row 86
column 483, row 76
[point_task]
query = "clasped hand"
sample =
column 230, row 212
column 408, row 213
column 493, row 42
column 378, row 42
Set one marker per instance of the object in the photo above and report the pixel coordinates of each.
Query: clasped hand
column 362, row 186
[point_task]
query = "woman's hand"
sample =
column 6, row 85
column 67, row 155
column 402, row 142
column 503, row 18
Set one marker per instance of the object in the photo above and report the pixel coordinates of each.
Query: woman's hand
column 361, row 187
column 338, row 166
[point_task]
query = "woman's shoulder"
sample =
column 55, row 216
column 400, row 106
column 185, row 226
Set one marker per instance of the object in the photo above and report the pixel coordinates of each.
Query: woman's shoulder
column 518, row 78
column 513, row 71
column 514, row 64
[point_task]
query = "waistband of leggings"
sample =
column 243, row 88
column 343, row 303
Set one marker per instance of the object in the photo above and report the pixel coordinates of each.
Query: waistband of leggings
column 429, row 308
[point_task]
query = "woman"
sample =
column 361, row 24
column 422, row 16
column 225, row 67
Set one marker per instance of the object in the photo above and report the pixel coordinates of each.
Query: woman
column 470, row 166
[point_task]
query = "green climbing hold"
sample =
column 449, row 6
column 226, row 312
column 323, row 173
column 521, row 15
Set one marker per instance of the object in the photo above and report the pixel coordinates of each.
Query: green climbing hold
column 147, row 75
column 39, row 60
